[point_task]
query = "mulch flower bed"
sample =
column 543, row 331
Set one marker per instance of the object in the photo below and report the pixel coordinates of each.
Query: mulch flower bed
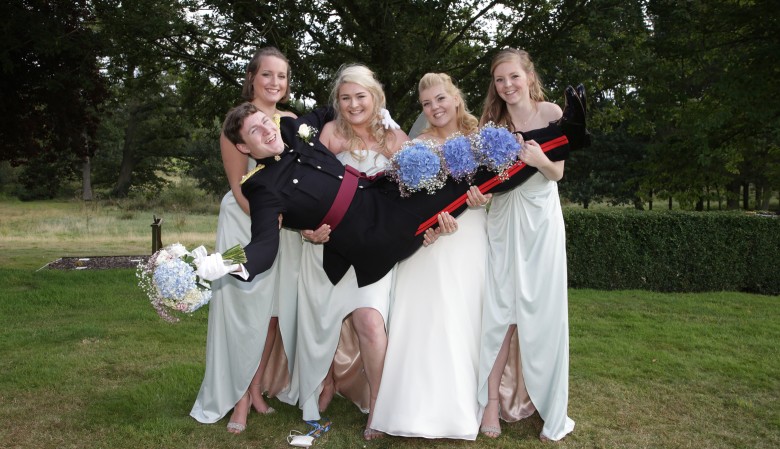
column 96, row 262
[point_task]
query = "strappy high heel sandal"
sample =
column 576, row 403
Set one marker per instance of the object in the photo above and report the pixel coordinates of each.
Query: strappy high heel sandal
column 372, row 434
column 269, row 410
column 236, row 427
column 491, row 431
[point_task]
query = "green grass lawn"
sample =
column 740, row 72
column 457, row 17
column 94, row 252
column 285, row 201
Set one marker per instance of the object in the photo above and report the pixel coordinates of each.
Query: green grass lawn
column 85, row 362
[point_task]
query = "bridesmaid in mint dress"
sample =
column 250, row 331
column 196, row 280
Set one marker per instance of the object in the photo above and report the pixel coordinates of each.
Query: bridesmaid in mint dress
column 250, row 346
column 525, row 325
column 342, row 329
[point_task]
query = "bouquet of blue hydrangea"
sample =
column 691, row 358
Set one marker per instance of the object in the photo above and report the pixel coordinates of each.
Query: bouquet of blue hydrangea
column 460, row 157
column 498, row 148
column 417, row 166
column 169, row 278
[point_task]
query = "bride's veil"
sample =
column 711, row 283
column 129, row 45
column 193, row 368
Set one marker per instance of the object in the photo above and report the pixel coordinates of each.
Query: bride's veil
column 418, row 126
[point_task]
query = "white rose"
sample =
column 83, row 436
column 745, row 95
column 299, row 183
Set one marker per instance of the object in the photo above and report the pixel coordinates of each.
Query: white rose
column 177, row 250
column 304, row 131
column 163, row 256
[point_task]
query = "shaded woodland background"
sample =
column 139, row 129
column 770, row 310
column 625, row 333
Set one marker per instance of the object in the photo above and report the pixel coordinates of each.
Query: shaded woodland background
column 120, row 97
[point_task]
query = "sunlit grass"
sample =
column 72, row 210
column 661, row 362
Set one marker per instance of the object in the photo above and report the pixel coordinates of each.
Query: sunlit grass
column 35, row 233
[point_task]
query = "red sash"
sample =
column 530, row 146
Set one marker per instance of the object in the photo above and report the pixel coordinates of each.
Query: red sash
column 343, row 198
column 492, row 182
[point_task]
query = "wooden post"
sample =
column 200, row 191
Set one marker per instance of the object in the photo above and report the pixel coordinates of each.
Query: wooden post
column 156, row 234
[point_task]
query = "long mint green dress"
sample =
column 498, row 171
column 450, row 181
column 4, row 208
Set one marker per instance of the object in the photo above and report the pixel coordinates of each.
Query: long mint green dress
column 239, row 313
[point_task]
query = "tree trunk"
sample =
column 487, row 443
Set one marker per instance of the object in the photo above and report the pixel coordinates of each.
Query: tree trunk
column 650, row 201
column 670, row 203
column 765, row 199
column 746, row 196
column 732, row 196
column 124, row 181
column 86, row 179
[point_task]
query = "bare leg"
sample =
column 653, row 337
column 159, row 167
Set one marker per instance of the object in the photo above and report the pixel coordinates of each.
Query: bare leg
column 372, row 337
column 490, row 425
column 255, row 395
column 237, row 422
column 328, row 390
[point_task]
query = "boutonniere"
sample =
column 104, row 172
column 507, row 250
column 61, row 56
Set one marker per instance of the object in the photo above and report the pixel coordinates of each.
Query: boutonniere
column 252, row 172
column 306, row 132
column 277, row 120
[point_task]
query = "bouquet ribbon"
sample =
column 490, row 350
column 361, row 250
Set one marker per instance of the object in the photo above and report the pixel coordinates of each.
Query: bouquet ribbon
column 199, row 252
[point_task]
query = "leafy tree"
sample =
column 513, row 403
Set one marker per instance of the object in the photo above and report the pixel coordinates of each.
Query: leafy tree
column 707, row 98
column 601, row 43
column 51, row 90
column 146, row 104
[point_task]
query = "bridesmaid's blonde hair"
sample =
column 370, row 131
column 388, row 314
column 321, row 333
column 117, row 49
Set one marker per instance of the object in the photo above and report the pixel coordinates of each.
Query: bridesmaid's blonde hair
column 495, row 109
column 467, row 123
column 364, row 77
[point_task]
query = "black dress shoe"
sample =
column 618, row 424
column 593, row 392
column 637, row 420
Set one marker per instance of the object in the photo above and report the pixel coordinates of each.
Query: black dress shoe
column 582, row 97
column 573, row 121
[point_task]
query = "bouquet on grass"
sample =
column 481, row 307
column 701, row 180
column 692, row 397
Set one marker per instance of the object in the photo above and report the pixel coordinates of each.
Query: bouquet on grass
column 170, row 280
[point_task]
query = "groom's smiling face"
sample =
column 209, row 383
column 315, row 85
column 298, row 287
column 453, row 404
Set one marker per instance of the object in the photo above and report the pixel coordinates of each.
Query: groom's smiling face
column 261, row 137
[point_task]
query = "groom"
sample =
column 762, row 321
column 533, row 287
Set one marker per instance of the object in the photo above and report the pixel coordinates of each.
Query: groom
column 372, row 226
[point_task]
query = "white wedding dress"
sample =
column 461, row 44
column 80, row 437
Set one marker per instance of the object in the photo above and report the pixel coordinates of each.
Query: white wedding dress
column 324, row 336
column 429, row 382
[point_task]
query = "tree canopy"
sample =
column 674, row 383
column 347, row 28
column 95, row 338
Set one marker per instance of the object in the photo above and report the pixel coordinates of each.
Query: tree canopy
column 681, row 94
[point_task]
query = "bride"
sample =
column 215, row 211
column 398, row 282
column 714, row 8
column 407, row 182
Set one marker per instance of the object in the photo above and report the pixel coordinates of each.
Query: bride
column 429, row 386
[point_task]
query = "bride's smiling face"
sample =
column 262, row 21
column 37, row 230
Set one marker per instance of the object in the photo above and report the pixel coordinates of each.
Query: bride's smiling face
column 261, row 137
column 440, row 107
column 356, row 104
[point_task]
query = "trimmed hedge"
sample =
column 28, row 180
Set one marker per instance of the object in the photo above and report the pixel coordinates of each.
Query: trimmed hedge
column 673, row 251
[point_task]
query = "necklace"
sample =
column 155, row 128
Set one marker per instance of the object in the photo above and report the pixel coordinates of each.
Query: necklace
column 524, row 122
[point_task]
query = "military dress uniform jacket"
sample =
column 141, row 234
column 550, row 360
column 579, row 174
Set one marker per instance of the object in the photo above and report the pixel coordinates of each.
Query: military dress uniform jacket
column 379, row 227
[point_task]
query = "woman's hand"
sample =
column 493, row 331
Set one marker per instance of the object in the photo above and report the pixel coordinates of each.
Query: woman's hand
column 447, row 225
column 321, row 235
column 533, row 156
column 475, row 198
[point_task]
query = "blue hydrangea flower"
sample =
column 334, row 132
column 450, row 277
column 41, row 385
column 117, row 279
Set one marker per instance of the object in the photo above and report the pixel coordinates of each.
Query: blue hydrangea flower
column 459, row 157
column 498, row 148
column 174, row 279
column 417, row 166
column 170, row 281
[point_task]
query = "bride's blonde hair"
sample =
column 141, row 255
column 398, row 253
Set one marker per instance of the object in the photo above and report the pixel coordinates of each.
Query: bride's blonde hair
column 364, row 77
